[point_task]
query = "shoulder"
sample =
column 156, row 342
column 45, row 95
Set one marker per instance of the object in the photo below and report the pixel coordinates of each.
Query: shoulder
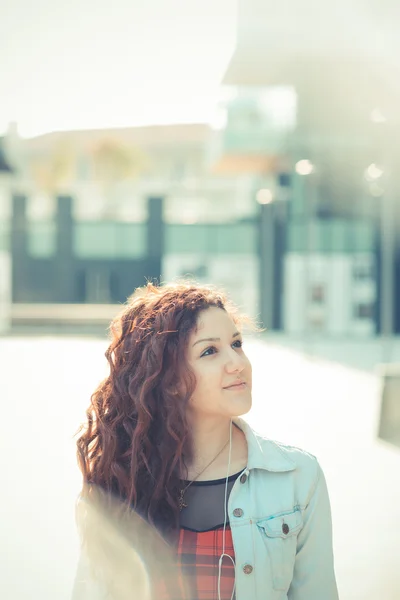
column 299, row 457
column 271, row 455
column 303, row 466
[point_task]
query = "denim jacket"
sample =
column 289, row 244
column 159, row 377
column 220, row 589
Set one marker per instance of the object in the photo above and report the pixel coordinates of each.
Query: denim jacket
column 283, row 533
column 280, row 518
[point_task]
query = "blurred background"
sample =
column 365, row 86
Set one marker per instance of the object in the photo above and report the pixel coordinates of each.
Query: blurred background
column 250, row 144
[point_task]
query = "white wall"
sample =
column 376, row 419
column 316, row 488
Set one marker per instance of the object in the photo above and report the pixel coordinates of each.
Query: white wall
column 294, row 298
column 336, row 313
column 339, row 294
column 313, row 27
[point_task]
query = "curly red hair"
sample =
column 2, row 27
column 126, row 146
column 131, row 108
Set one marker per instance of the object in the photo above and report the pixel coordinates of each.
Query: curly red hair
column 135, row 443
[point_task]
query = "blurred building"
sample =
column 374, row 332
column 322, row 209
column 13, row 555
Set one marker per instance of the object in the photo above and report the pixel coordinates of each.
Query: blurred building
column 313, row 116
column 101, row 211
column 292, row 205
column 6, row 175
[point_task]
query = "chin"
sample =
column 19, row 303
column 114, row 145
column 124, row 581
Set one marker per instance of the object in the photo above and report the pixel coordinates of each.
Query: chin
column 243, row 409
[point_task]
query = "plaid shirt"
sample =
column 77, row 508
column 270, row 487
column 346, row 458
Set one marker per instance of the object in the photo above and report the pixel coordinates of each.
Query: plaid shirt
column 197, row 561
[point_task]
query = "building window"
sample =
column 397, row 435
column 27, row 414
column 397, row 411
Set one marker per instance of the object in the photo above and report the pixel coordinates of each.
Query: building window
column 42, row 239
column 364, row 310
column 109, row 240
column 318, row 293
column 363, row 272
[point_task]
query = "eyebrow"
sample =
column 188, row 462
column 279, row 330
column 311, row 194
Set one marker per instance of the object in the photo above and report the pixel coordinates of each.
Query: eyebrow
column 236, row 334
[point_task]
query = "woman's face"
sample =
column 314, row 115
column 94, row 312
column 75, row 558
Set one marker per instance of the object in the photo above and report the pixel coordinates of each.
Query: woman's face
column 221, row 368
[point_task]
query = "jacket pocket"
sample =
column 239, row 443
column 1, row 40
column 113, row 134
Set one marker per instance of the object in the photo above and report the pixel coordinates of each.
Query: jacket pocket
column 279, row 533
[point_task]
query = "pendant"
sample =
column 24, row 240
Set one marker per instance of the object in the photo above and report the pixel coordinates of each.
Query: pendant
column 182, row 500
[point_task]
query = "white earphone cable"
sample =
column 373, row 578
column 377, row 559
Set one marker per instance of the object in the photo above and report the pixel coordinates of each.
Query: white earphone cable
column 221, row 558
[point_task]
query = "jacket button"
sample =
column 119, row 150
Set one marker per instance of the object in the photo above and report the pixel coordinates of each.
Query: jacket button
column 247, row 569
column 238, row 512
column 285, row 528
column 243, row 478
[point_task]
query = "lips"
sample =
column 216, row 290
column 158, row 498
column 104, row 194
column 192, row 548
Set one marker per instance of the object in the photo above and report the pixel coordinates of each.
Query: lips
column 236, row 385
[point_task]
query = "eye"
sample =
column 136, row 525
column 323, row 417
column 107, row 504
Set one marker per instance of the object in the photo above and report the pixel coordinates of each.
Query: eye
column 211, row 350
column 237, row 344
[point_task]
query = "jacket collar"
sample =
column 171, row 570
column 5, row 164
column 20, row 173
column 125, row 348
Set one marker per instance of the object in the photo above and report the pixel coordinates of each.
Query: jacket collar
column 263, row 453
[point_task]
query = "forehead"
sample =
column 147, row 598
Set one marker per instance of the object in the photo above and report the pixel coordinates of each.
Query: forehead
column 212, row 321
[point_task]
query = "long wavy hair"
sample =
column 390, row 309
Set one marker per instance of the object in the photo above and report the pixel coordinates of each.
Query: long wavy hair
column 135, row 443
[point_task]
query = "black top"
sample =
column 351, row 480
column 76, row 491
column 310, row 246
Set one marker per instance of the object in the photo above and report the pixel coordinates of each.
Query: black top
column 205, row 504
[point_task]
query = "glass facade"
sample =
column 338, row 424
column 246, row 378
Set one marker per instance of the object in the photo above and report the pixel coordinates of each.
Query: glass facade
column 331, row 236
column 235, row 238
column 110, row 240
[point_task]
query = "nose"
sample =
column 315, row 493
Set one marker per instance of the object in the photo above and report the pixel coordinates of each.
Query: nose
column 235, row 363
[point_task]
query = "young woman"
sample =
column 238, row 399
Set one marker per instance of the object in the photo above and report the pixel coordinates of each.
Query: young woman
column 216, row 510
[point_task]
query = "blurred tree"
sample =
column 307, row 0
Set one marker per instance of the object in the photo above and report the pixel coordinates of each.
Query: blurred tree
column 116, row 162
column 55, row 173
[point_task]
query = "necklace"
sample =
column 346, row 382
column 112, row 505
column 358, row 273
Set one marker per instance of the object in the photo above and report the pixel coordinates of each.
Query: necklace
column 183, row 490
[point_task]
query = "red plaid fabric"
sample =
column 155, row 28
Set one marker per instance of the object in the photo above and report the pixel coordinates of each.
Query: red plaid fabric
column 197, row 561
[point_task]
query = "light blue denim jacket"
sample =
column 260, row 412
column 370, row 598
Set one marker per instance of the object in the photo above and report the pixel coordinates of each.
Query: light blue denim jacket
column 280, row 518
column 282, row 535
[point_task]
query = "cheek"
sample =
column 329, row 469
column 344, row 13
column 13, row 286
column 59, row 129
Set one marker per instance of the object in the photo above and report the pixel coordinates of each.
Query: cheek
column 207, row 381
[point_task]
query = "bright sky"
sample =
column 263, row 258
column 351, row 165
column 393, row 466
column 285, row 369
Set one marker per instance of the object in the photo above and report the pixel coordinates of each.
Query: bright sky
column 74, row 64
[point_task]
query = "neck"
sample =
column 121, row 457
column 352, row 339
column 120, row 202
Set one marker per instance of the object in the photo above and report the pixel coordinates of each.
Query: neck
column 208, row 438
